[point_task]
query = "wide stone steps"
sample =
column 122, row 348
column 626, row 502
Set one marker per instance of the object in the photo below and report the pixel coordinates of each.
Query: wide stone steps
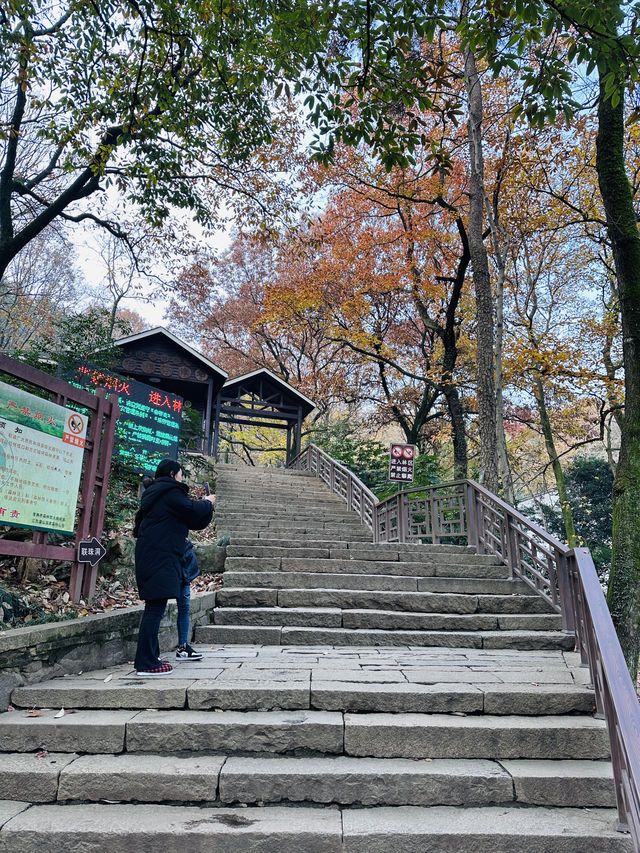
column 296, row 636
column 387, row 620
column 288, row 582
column 377, row 735
column 98, row 828
column 456, row 596
column 422, row 689
column 388, row 550
column 346, row 531
column 341, row 780
column 273, row 501
column 441, row 568
column 352, row 551
column 352, row 698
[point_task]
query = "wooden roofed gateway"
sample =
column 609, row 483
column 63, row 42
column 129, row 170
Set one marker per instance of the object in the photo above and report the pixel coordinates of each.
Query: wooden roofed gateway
column 261, row 398
column 158, row 357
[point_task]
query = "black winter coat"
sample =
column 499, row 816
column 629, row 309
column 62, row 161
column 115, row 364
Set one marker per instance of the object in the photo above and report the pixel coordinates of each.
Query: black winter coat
column 168, row 513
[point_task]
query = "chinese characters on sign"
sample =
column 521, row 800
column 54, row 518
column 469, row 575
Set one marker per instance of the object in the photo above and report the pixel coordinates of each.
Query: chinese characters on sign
column 41, row 450
column 91, row 551
column 148, row 428
column 401, row 459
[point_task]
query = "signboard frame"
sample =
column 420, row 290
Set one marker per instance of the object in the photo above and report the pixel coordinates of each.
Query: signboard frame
column 41, row 455
column 402, row 462
column 103, row 414
column 149, row 425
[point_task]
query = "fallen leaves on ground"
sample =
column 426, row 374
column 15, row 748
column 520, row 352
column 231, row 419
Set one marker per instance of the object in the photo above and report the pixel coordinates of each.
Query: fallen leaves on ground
column 47, row 599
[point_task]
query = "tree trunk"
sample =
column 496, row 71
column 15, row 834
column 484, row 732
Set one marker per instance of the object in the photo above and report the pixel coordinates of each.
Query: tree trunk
column 481, row 280
column 624, row 583
column 558, row 473
column 458, row 434
column 504, row 468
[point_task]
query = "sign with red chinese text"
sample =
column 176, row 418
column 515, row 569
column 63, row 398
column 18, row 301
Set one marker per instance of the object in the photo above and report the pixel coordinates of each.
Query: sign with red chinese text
column 41, row 450
column 148, row 428
column 401, row 461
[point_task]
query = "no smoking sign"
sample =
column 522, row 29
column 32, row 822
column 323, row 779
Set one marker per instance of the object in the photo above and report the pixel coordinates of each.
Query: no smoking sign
column 401, row 460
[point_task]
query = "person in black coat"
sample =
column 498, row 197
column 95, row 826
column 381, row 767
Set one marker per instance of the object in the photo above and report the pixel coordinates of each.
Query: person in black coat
column 163, row 521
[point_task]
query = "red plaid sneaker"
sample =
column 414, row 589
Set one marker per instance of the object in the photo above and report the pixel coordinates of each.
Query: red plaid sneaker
column 163, row 668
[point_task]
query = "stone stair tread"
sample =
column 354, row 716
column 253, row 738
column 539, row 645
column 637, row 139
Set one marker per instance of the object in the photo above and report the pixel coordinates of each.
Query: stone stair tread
column 383, row 735
column 99, row 828
column 433, row 689
column 102, row 828
column 295, row 635
column 325, row 779
column 382, row 547
column 383, row 619
column 482, row 829
column 387, row 583
column 380, row 567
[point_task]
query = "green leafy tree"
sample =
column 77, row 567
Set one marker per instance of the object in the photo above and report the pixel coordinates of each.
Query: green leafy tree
column 86, row 336
column 161, row 99
column 368, row 458
column 589, row 484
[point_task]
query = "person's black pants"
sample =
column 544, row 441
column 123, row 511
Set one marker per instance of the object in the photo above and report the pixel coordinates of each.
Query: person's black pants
column 148, row 651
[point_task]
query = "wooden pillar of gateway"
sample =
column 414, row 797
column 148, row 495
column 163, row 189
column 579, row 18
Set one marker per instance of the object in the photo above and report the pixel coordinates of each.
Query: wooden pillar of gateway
column 216, row 428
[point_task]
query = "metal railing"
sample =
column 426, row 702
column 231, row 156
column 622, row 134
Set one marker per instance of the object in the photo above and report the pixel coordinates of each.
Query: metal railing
column 464, row 512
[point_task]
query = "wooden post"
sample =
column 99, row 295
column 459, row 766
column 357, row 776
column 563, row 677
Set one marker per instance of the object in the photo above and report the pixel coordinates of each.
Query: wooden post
column 207, row 437
column 216, row 429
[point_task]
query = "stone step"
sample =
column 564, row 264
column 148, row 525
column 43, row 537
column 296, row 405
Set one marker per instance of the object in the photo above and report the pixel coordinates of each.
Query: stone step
column 426, row 690
column 462, row 601
column 273, row 499
column 380, row 547
column 434, row 568
column 290, row 636
column 376, row 592
column 356, row 551
column 338, row 780
column 313, row 520
column 399, row 782
column 313, row 580
column 294, row 493
column 375, row 735
column 366, row 554
column 260, row 518
column 429, row 690
column 105, row 828
column 383, row 620
column 346, row 532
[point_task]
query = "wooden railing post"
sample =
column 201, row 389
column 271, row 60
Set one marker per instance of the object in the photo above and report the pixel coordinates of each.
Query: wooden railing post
column 403, row 516
column 472, row 520
column 566, row 598
column 510, row 541
column 433, row 509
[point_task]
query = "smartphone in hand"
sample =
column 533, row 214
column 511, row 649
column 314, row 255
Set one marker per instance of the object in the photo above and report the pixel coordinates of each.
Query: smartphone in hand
column 207, row 490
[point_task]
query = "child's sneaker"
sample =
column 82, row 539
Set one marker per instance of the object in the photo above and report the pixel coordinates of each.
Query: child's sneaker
column 187, row 653
column 163, row 668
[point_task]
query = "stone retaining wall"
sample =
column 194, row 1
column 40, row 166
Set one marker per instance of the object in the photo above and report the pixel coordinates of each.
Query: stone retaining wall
column 39, row 652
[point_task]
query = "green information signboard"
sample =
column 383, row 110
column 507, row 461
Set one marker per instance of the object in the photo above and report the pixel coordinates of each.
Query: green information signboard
column 148, row 428
column 41, row 450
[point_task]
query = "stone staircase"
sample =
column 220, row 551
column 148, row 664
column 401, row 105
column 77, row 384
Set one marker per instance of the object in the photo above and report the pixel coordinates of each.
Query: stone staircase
column 353, row 697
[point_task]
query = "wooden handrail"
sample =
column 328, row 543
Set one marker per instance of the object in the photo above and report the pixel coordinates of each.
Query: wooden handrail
column 465, row 510
column 616, row 696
